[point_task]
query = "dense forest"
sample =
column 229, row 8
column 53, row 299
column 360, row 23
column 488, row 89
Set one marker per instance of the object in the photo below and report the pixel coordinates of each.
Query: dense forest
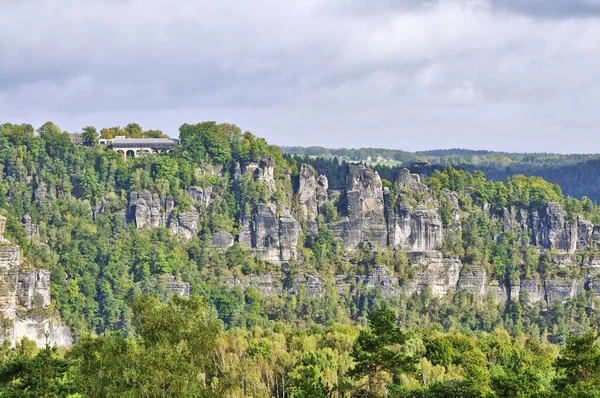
column 578, row 175
column 68, row 204
column 180, row 349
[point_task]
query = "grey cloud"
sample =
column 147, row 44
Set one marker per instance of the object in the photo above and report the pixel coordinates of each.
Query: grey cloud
column 551, row 8
column 422, row 74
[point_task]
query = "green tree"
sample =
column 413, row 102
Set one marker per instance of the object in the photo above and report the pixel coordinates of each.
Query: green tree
column 378, row 354
column 578, row 365
column 89, row 136
column 172, row 356
column 42, row 375
column 313, row 375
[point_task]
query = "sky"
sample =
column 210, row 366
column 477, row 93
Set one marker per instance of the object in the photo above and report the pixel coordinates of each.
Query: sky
column 513, row 75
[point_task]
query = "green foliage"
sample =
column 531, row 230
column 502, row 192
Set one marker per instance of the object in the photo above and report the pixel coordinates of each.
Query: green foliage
column 579, row 364
column 89, row 136
column 378, row 352
column 41, row 375
column 170, row 358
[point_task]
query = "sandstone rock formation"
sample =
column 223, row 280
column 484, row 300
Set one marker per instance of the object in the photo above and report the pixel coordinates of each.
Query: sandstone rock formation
column 200, row 195
column 365, row 209
column 307, row 193
column 407, row 219
column 222, row 240
column 148, row 211
column 25, row 301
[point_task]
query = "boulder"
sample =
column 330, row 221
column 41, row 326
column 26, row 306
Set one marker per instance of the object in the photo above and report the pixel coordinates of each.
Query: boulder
column 185, row 223
column 222, row 240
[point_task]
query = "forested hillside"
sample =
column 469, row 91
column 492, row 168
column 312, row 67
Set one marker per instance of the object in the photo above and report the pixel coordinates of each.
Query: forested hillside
column 305, row 277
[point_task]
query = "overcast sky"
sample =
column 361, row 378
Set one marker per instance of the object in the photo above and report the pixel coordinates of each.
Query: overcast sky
column 518, row 75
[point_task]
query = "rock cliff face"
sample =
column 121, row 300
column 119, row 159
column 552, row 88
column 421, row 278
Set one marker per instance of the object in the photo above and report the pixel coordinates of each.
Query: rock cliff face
column 365, row 222
column 172, row 286
column 407, row 217
column 148, row 211
column 439, row 274
column 25, row 301
column 307, row 193
column 274, row 238
column 371, row 215
column 200, row 195
column 551, row 229
column 417, row 229
column 222, row 240
column 185, row 223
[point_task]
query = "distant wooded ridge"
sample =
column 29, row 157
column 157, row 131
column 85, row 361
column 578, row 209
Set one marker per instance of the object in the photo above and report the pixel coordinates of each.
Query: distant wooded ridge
column 577, row 174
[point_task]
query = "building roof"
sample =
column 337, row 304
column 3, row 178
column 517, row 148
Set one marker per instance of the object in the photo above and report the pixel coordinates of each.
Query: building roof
column 143, row 141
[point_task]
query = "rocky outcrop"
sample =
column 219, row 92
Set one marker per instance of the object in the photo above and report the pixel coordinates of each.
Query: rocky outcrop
column 322, row 192
column 383, row 279
column 532, row 289
column 432, row 270
column 200, row 195
column 585, row 231
column 561, row 289
column 185, row 223
column 265, row 233
column 40, row 192
column 552, row 230
column 310, row 284
column 31, row 229
column 412, row 182
column 266, row 284
column 496, row 292
column 173, row 286
column 274, row 238
column 365, row 222
column 289, row 232
column 145, row 210
column 25, row 301
column 148, row 211
column 307, row 193
column 473, row 279
column 263, row 171
column 222, row 240
column 417, row 229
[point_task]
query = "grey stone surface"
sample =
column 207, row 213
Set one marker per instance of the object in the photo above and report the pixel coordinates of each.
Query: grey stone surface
column 25, row 302
column 174, row 286
column 200, row 195
column 307, row 193
column 417, row 229
column 434, row 271
column 473, row 280
column 222, row 240
column 561, row 289
column 551, row 229
column 185, row 223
